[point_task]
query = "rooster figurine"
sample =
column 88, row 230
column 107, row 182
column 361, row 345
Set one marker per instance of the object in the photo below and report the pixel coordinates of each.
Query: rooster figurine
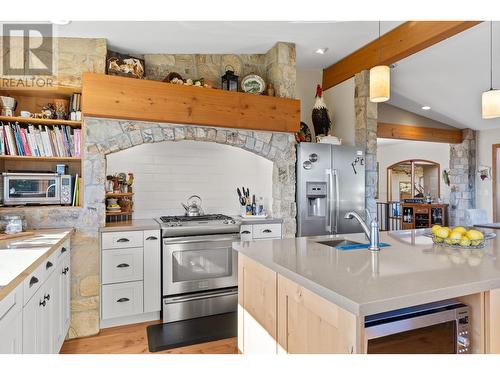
column 320, row 116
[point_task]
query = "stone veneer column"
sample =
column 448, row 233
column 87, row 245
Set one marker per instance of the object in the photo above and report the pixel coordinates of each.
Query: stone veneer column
column 280, row 66
column 462, row 177
column 366, row 135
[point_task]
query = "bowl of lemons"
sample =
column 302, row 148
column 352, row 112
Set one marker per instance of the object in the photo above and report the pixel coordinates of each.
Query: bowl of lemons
column 470, row 238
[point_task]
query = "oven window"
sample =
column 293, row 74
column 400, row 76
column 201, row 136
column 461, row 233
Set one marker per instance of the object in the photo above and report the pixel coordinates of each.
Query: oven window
column 27, row 188
column 435, row 339
column 191, row 265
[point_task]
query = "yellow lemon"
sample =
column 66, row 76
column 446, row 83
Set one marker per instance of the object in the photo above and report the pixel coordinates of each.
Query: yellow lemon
column 438, row 240
column 442, row 233
column 435, row 228
column 474, row 235
column 476, row 242
column 448, row 241
column 460, row 230
column 455, row 237
column 465, row 242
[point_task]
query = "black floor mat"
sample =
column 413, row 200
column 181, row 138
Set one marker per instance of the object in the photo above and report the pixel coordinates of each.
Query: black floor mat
column 192, row 331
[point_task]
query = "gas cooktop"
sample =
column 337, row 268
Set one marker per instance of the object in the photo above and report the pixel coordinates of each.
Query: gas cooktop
column 197, row 225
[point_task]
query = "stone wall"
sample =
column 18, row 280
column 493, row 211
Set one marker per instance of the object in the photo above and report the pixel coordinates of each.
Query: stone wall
column 276, row 66
column 73, row 57
column 462, row 177
column 366, row 135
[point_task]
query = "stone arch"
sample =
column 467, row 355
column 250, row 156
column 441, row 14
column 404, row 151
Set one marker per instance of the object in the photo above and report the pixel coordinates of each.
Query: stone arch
column 104, row 136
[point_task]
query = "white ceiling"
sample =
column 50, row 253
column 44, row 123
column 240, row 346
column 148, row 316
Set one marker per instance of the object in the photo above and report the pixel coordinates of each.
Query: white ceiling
column 341, row 38
column 450, row 77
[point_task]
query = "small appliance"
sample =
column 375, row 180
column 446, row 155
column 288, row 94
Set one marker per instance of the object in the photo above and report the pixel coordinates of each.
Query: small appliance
column 21, row 188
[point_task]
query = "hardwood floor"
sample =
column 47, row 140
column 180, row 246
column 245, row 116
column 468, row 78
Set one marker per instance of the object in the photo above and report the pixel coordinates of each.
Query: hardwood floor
column 132, row 339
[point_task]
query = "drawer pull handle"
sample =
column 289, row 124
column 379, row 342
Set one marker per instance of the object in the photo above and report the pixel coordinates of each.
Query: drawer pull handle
column 33, row 281
column 267, row 231
column 47, row 297
column 123, row 265
column 63, row 249
column 124, row 299
column 42, row 303
column 48, row 265
column 123, row 240
column 65, row 270
column 151, row 238
column 245, row 232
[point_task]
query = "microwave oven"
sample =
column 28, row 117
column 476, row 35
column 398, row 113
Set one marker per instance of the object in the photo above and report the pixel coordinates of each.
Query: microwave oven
column 434, row 328
column 36, row 188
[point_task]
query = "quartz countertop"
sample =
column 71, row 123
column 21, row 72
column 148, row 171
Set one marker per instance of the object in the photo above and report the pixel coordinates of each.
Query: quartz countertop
column 410, row 272
column 139, row 224
column 22, row 255
column 250, row 221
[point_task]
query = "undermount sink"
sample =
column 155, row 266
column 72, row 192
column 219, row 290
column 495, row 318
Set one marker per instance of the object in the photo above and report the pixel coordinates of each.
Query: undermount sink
column 339, row 242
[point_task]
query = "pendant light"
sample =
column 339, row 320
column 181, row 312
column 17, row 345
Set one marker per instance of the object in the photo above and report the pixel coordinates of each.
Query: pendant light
column 491, row 98
column 380, row 79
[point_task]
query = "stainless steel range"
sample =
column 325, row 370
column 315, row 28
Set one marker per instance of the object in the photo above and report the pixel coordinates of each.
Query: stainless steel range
column 199, row 266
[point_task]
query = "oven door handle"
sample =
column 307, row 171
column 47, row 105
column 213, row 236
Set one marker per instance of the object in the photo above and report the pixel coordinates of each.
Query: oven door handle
column 195, row 239
column 200, row 296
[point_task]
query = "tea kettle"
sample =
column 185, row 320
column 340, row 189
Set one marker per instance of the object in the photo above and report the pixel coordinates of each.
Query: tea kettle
column 193, row 206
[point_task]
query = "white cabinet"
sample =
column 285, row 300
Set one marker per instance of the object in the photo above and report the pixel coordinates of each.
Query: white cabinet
column 152, row 271
column 264, row 231
column 130, row 276
column 11, row 320
column 46, row 315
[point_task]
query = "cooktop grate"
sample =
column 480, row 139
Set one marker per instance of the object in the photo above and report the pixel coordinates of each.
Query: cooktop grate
column 212, row 217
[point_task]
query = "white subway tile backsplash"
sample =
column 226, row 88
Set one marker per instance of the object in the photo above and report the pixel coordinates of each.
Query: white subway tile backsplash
column 167, row 173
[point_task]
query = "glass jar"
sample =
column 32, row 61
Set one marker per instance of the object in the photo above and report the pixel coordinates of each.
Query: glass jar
column 11, row 224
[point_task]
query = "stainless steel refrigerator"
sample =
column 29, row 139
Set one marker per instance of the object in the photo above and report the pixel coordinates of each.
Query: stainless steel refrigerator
column 330, row 182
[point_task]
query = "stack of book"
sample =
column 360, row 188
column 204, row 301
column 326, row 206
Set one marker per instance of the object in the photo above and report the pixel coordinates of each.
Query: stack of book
column 75, row 112
column 45, row 141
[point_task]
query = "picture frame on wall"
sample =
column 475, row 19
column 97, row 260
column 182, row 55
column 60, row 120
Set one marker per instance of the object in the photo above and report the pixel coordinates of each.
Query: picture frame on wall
column 119, row 64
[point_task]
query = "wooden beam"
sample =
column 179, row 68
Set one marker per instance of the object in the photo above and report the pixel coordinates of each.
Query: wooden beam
column 403, row 41
column 418, row 133
column 135, row 99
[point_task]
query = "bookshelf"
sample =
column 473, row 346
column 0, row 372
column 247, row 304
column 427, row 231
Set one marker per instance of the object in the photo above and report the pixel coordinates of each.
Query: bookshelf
column 33, row 100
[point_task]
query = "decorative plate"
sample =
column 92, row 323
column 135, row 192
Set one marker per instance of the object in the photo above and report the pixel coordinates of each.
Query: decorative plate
column 253, row 84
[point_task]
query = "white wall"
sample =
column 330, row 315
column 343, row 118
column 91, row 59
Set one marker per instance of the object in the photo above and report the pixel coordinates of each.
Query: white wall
column 404, row 150
column 394, row 115
column 484, row 189
column 305, row 91
column 167, row 173
column 340, row 102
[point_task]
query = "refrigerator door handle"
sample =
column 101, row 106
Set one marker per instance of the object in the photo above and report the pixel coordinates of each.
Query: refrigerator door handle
column 337, row 201
column 328, row 226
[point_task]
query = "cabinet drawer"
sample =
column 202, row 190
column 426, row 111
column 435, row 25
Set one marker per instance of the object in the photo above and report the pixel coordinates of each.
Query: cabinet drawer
column 266, row 231
column 122, row 299
column 118, row 240
column 421, row 211
column 33, row 282
column 246, row 232
column 64, row 249
column 122, row 265
column 11, row 304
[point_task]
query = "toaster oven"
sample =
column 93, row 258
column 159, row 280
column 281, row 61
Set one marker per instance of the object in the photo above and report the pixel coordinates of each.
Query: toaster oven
column 36, row 188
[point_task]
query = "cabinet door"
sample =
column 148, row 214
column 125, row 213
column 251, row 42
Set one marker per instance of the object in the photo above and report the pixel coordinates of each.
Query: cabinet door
column 51, row 314
column 11, row 322
column 257, row 286
column 62, row 303
column 308, row 324
column 33, row 324
column 152, row 271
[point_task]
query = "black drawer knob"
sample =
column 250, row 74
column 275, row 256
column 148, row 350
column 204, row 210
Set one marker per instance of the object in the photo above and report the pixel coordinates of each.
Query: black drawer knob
column 124, row 299
column 63, row 249
column 245, row 232
column 47, row 297
column 123, row 240
column 33, row 281
column 48, row 265
column 42, row 303
column 123, row 265
column 151, row 238
column 267, row 231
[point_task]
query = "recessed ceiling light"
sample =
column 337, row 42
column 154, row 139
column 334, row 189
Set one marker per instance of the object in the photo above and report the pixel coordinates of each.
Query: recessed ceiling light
column 426, row 107
column 321, row 51
column 61, row 22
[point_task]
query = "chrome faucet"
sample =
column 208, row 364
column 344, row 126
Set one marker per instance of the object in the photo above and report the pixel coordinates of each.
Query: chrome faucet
column 371, row 232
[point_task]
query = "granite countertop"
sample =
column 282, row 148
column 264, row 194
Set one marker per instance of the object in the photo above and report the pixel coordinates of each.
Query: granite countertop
column 22, row 255
column 410, row 272
column 138, row 224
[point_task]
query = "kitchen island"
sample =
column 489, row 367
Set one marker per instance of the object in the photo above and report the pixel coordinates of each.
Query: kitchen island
column 301, row 296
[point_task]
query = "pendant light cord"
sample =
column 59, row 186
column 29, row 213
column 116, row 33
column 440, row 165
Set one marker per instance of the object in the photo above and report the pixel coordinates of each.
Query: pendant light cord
column 378, row 49
column 491, row 55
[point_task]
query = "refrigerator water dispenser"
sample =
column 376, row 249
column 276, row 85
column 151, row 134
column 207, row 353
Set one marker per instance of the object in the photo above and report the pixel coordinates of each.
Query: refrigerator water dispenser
column 316, row 198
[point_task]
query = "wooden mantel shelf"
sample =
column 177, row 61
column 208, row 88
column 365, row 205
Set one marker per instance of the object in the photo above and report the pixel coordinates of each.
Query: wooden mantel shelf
column 133, row 99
